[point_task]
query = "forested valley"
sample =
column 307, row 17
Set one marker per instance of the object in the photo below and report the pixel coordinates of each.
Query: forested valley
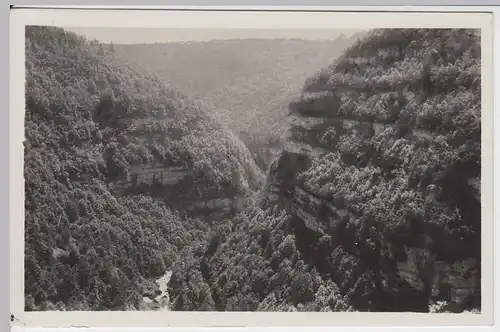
column 248, row 83
column 262, row 175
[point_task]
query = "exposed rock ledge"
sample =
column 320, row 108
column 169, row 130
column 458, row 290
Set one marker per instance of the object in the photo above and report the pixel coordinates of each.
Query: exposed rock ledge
column 306, row 123
column 459, row 279
column 151, row 173
column 304, row 148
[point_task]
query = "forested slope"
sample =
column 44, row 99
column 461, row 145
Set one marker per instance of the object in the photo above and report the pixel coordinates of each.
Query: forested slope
column 386, row 148
column 247, row 82
column 378, row 188
column 90, row 119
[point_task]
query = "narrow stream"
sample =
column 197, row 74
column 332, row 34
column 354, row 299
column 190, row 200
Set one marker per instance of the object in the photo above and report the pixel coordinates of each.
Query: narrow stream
column 162, row 301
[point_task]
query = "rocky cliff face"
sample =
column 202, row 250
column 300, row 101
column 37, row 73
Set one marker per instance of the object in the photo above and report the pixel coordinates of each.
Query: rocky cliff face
column 193, row 175
column 178, row 186
column 383, row 158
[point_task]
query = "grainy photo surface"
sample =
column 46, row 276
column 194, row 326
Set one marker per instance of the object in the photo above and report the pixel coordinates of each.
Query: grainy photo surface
column 291, row 170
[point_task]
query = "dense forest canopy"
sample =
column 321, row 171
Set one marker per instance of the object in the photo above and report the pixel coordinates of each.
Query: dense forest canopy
column 89, row 117
column 372, row 202
column 384, row 215
column 247, row 82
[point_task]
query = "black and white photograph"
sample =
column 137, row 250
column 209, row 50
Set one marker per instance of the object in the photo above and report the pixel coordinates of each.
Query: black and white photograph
column 253, row 170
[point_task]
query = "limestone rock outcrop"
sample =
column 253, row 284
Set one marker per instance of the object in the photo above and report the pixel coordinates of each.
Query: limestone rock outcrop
column 383, row 154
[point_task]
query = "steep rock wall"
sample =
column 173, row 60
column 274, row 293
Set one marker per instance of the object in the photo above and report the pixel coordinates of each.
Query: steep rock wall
column 383, row 156
column 176, row 185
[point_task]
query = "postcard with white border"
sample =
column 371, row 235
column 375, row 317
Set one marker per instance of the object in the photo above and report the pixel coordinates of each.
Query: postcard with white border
column 251, row 168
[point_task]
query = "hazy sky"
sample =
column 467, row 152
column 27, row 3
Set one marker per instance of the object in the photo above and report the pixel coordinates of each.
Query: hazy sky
column 152, row 35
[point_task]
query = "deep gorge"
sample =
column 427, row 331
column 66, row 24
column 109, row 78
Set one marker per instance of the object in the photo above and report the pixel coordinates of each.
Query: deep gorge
column 360, row 192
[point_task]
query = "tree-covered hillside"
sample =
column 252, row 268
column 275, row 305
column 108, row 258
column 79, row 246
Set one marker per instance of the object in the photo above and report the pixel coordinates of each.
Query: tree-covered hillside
column 90, row 117
column 247, row 82
column 399, row 124
column 380, row 181
column 253, row 263
column 372, row 204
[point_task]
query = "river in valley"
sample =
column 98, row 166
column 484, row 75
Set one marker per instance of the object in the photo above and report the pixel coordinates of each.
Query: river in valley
column 162, row 301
